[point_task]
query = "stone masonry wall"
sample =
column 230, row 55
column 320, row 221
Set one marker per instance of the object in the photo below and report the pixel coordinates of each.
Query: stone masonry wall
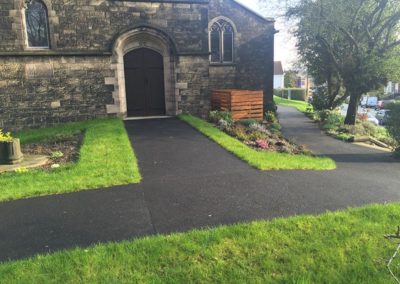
column 222, row 77
column 8, row 28
column 35, row 92
column 76, row 78
column 94, row 25
column 46, row 87
column 254, row 50
column 193, row 84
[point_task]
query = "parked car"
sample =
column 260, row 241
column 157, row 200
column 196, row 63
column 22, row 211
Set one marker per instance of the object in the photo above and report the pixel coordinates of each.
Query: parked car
column 382, row 116
column 373, row 119
column 370, row 102
column 380, row 105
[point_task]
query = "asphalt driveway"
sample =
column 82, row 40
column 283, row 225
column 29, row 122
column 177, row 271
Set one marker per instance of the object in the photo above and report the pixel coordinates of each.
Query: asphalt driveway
column 190, row 182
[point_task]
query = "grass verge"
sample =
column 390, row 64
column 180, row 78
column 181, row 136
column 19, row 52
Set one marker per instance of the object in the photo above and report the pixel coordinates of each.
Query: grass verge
column 333, row 124
column 341, row 247
column 106, row 159
column 258, row 159
column 300, row 105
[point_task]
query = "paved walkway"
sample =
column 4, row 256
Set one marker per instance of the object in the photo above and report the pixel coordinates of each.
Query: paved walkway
column 190, row 182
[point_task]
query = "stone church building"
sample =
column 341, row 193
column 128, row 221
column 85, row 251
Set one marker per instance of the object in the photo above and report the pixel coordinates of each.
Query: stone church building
column 71, row 60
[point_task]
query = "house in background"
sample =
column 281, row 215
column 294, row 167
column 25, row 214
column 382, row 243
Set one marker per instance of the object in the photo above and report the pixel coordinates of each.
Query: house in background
column 63, row 61
column 304, row 81
column 279, row 75
column 392, row 88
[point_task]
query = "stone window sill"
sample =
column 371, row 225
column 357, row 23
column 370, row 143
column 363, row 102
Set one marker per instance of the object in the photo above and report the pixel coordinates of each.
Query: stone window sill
column 32, row 48
column 222, row 64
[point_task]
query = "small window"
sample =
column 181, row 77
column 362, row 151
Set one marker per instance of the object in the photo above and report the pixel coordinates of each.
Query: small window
column 37, row 28
column 221, row 42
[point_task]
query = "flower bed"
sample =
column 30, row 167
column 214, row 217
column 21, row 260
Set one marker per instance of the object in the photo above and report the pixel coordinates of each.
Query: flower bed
column 62, row 150
column 265, row 136
column 332, row 122
column 105, row 159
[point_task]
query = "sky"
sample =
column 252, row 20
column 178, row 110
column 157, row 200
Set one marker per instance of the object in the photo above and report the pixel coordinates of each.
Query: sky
column 285, row 49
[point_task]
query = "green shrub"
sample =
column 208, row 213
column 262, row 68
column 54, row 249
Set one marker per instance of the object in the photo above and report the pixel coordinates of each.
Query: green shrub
column 278, row 92
column 330, row 119
column 320, row 99
column 248, row 122
column 344, row 136
column 274, row 127
column 239, row 132
column 258, row 127
column 271, row 107
column 257, row 135
column 393, row 123
column 335, row 118
column 397, row 153
column 224, row 125
column 383, row 135
column 270, row 117
column 321, row 115
column 329, row 126
column 359, row 130
column 216, row 115
column 56, row 155
column 369, row 128
column 297, row 94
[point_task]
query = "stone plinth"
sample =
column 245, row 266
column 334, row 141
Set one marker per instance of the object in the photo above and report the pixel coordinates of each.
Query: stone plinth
column 30, row 161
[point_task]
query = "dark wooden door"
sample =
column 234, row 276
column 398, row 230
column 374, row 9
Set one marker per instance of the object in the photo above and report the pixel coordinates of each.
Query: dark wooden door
column 144, row 80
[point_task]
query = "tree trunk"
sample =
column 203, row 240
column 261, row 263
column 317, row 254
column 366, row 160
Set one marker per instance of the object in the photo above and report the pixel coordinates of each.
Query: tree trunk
column 352, row 110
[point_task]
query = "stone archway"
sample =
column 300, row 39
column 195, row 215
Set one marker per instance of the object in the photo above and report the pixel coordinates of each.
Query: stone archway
column 148, row 38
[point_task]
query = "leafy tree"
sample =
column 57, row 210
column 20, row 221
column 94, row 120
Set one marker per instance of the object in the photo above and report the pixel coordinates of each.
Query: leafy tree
column 290, row 79
column 330, row 92
column 351, row 45
column 393, row 124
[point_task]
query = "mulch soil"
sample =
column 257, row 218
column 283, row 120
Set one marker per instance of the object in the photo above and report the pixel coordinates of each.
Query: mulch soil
column 68, row 145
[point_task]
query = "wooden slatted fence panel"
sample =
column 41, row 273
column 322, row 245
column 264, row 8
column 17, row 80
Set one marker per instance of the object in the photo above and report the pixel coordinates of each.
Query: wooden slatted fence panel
column 242, row 104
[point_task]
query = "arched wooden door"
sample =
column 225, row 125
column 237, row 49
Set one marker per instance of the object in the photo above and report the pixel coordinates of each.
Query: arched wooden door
column 144, row 80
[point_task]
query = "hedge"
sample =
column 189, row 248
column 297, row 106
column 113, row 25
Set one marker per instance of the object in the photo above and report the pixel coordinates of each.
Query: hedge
column 393, row 123
column 297, row 94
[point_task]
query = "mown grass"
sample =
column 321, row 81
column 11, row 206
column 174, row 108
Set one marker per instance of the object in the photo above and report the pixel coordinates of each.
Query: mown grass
column 106, row 159
column 300, row 105
column 336, row 129
column 259, row 159
column 341, row 247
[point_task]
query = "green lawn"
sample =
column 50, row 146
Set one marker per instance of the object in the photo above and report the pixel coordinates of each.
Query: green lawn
column 258, row 159
column 300, row 105
column 106, row 159
column 341, row 247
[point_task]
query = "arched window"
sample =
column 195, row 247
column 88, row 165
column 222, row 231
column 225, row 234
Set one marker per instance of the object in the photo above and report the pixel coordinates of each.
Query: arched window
column 37, row 28
column 221, row 42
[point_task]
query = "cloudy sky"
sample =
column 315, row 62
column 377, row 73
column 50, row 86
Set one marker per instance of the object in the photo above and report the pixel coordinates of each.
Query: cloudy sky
column 285, row 50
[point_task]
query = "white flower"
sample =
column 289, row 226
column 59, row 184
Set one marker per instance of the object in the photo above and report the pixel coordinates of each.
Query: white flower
column 258, row 127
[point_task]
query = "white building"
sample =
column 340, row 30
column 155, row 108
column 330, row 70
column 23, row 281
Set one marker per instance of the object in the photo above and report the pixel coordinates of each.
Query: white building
column 392, row 88
column 279, row 76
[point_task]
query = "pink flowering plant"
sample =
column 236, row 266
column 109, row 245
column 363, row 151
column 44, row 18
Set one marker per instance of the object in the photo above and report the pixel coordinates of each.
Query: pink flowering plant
column 263, row 136
column 263, row 144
